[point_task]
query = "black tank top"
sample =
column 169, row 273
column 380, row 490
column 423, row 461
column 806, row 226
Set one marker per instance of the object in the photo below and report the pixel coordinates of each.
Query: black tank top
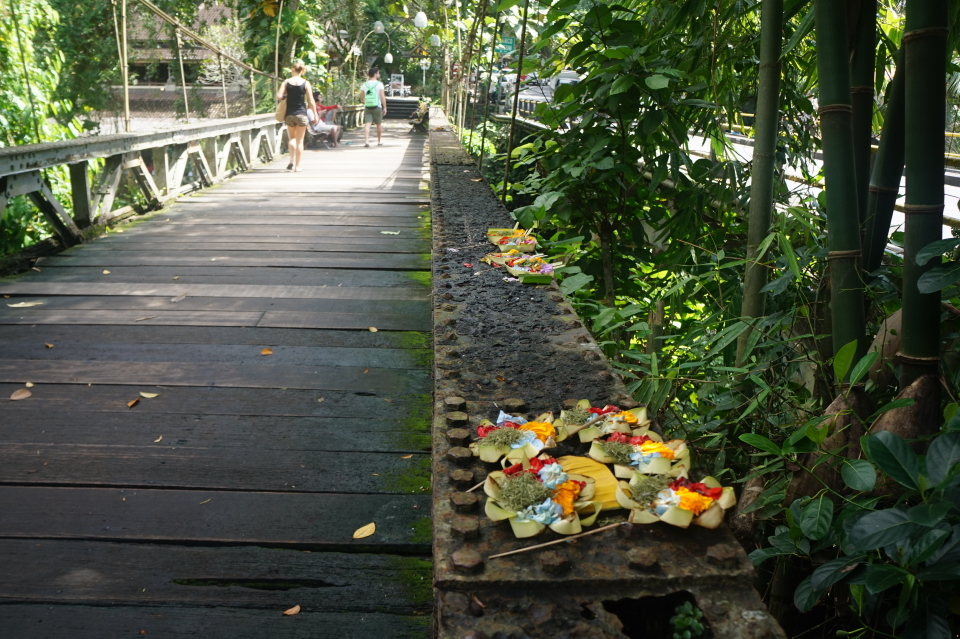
column 296, row 99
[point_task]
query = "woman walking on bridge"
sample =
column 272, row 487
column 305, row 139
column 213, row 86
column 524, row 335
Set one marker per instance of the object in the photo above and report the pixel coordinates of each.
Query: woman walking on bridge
column 297, row 92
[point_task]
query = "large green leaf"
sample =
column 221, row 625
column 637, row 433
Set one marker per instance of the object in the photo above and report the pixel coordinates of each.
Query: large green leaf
column 833, row 571
column 863, row 366
column 621, row 84
column 858, row 474
column 939, row 277
column 806, row 25
column 924, row 547
column 761, row 442
column 881, row 528
column 942, row 571
column 574, row 283
column 929, row 515
column 805, row 596
column 880, row 577
column 894, row 457
column 816, row 518
column 657, row 81
column 943, row 455
column 843, row 360
column 935, row 249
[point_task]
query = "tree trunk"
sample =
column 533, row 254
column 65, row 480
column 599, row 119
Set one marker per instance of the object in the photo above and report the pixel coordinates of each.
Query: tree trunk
column 290, row 46
column 656, row 321
column 861, row 78
column 764, row 160
column 843, row 222
column 887, row 171
column 606, row 256
column 925, row 43
column 742, row 524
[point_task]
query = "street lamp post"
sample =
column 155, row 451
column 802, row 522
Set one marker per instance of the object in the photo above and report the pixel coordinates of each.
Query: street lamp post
column 424, row 65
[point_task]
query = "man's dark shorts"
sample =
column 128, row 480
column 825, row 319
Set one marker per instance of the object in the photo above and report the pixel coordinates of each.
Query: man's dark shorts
column 372, row 115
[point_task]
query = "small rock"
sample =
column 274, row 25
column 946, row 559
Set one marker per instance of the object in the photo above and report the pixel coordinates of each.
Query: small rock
column 463, row 479
column 515, row 405
column 460, row 456
column 456, row 602
column 465, row 527
column 451, row 374
column 556, row 298
column 464, row 503
column 554, row 562
column 457, row 418
column 723, row 555
column 643, row 559
column 458, row 436
column 466, row 561
column 455, row 403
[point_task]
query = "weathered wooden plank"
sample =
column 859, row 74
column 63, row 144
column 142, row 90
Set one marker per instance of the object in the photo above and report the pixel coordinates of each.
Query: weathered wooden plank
column 416, row 310
column 386, row 223
column 224, row 517
column 41, row 621
column 242, row 355
column 175, row 465
column 375, row 243
column 275, row 277
column 175, row 288
column 194, row 401
column 382, row 433
column 83, row 572
column 267, row 209
column 380, row 262
column 266, row 229
column 168, row 318
column 357, row 321
column 173, row 244
column 216, row 374
column 58, row 335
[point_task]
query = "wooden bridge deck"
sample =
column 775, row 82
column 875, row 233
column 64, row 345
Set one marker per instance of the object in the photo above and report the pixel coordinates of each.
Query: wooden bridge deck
column 234, row 494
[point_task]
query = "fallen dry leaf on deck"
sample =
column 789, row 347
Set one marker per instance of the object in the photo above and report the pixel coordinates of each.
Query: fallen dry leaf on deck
column 390, row 232
column 146, row 318
column 158, row 439
column 266, row 351
column 320, row 399
column 149, row 395
column 292, row 611
column 205, row 501
column 133, row 403
column 372, row 329
column 49, row 345
column 23, row 393
column 34, row 268
column 179, row 298
column 476, row 179
column 406, row 457
column 29, row 384
column 25, row 304
column 365, row 531
column 176, row 277
column 477, row 601
column 106, row 272
column 366, row 370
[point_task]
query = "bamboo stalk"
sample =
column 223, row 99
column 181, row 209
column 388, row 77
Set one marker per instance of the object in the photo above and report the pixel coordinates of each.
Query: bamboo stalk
column 486, row 97
column 887, row 171
column 861, row 77
column 124, row 66
column 843, row 221
column 925, row 45
column 183, row 77
column 516, row 104
column 764, row 163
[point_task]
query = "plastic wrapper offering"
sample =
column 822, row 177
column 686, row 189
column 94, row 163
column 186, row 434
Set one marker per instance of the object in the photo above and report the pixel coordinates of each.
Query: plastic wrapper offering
column 678, row 502
column 591, row 423
column 531, row 270
column 514, row 438
column 644, row 454
column 512, row 239
column 539, row 494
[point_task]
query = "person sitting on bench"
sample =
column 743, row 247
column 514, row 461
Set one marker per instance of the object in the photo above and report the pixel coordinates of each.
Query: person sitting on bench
column 420, row 119
column 324, row 124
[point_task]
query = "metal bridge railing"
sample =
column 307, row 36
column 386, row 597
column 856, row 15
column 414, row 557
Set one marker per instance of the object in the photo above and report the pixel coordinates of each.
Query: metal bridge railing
column 161, row 165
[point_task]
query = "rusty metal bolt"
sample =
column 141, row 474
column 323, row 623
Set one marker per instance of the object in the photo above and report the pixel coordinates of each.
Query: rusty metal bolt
column 450, row 337
column 449, row 321
column 464, row 503
column 574, row 324
column 446, row 296
column 449, row 308
column 554, row 563
column 515, row 405
column 643, row 559
column 556, row 298
column 456, row 602
column 466, row 561
column 582, row 339
column 455, row 403
column 451, row 374
column 723, row 555
column 465, row 527
column 462, row 479
column 453, row 354
column 457, row 418
column 591, row 356
column 460, row 456
column 458, row 436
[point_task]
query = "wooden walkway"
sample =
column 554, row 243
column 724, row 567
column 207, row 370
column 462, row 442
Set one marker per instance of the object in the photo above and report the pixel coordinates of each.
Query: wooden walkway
column 282, row 423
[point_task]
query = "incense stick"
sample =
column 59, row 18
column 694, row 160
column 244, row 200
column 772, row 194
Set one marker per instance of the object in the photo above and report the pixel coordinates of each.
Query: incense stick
column 558, row 541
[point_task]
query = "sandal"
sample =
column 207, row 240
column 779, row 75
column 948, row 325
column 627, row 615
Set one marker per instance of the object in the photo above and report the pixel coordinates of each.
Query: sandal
column 290, row 166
